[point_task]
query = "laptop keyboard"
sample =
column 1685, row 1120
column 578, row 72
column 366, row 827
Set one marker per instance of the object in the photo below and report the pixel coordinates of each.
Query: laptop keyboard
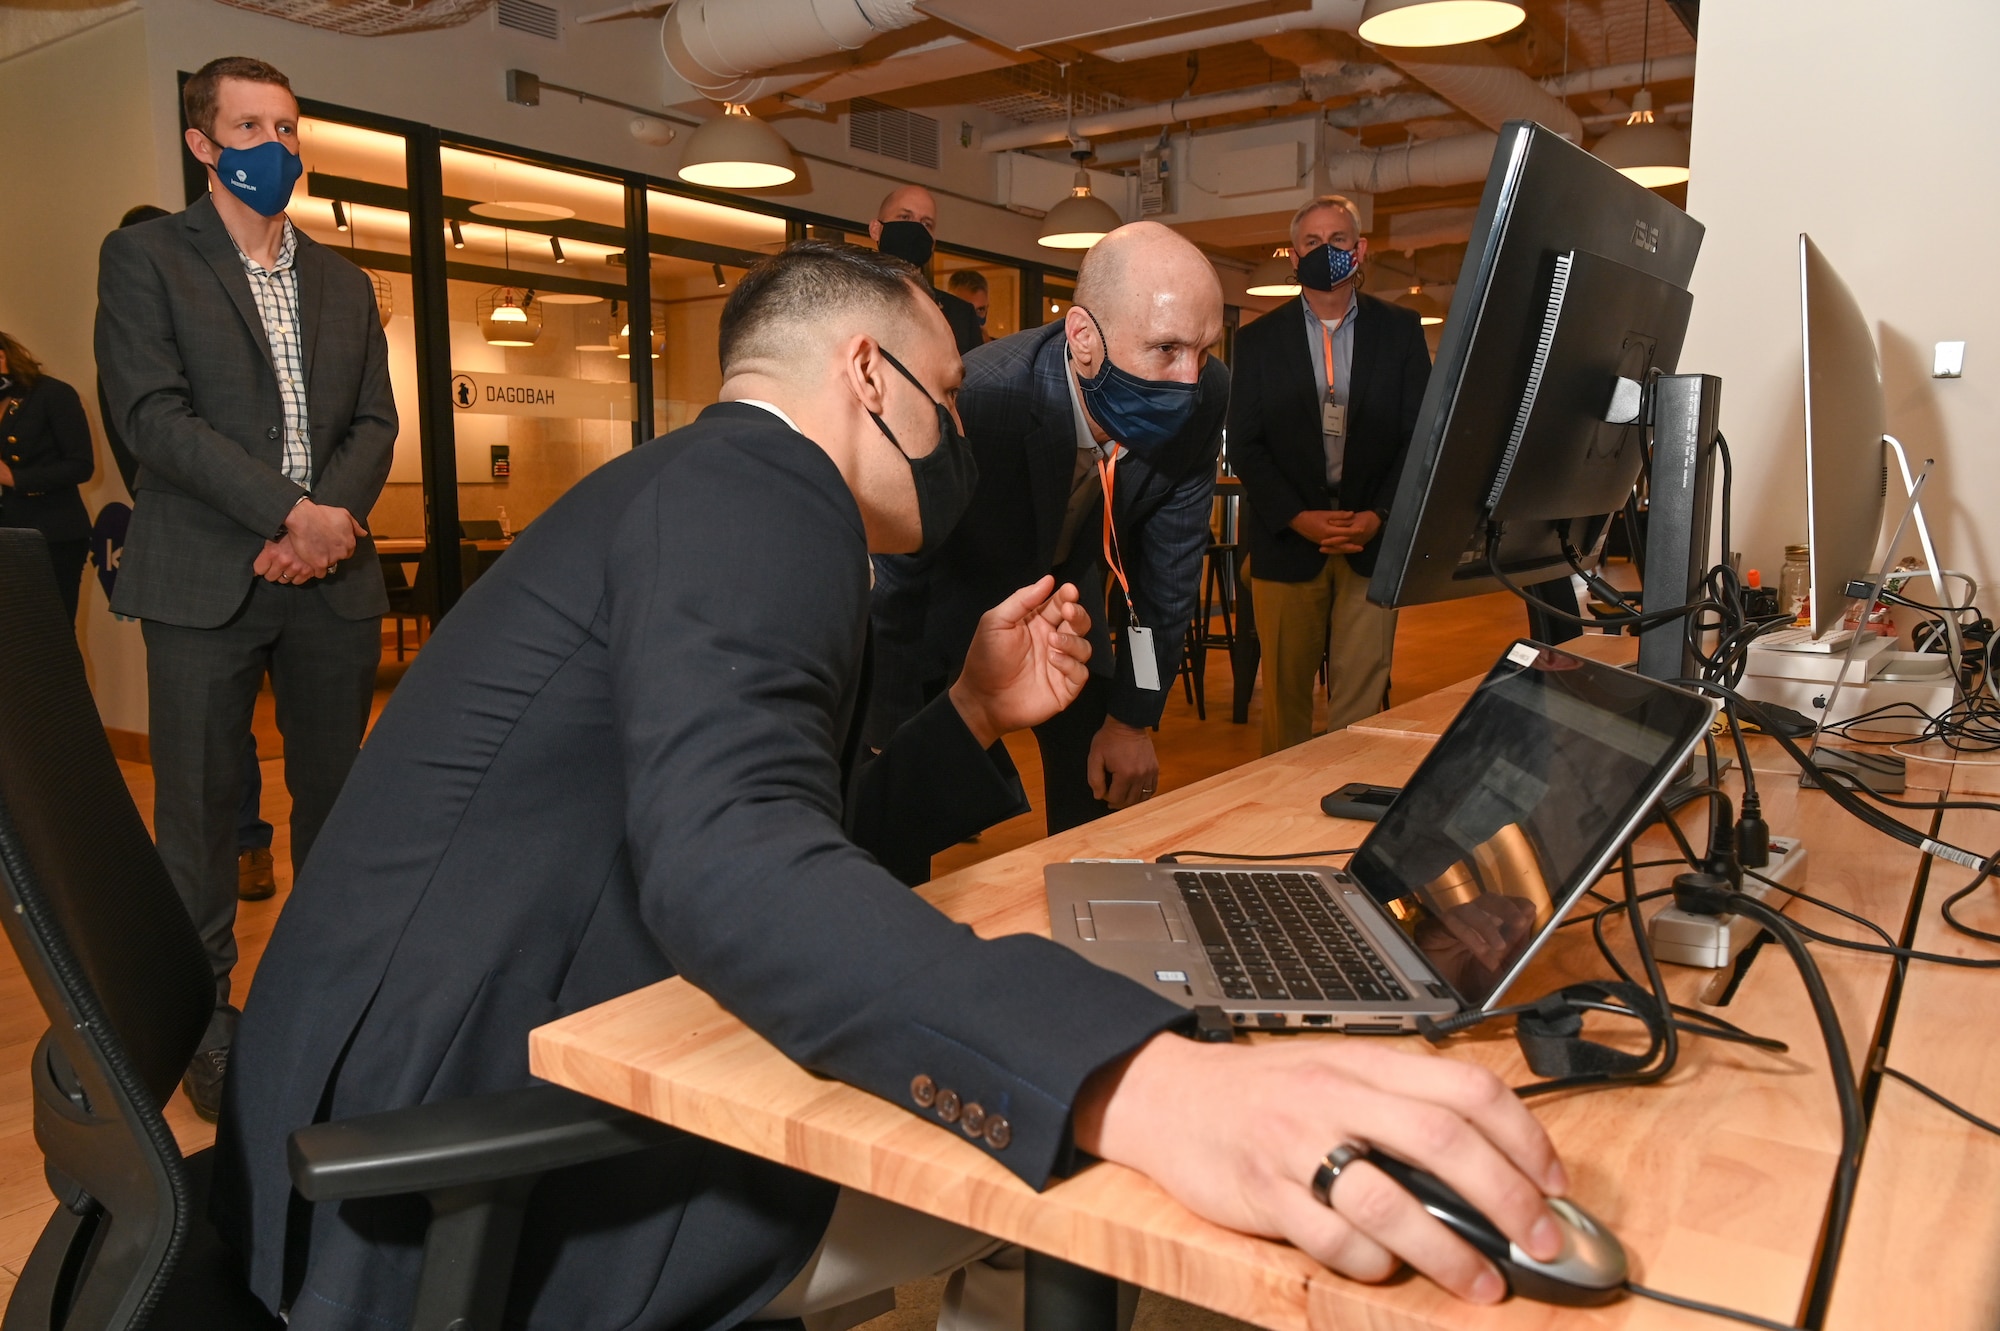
column 1279, row 936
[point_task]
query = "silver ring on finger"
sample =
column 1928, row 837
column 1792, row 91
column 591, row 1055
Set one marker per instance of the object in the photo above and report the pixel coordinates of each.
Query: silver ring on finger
column 1328, row 1173
column 284, row 577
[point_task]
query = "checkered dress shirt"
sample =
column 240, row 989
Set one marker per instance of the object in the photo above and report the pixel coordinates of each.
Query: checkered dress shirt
column 276, row 290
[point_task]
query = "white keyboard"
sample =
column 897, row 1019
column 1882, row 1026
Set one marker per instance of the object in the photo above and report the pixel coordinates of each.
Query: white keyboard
column 1801, row 640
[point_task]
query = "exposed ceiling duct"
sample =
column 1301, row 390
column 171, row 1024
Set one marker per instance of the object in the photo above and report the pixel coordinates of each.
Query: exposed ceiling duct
column 1144, row 117
column 1461, row 159
column 1479, row 82
column 1631, row 74
column 1341, row 15
column 720, row 47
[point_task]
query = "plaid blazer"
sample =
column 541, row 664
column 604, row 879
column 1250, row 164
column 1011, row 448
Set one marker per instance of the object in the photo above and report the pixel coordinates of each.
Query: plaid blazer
column 1016, row 407
column 186, row 372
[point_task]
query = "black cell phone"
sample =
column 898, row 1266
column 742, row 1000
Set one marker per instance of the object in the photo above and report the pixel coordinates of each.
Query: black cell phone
column 1360, row 801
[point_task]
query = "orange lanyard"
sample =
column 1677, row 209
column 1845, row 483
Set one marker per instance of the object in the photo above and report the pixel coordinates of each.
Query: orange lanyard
column 1107, row 472
column 1326, row 345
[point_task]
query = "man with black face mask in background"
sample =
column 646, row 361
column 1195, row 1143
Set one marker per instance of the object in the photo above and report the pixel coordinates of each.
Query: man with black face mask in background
column 1120, row 401
column 905, row 225
column 1322, row 405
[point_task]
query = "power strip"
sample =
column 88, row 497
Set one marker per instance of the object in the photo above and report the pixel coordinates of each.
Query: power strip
column 1712, row 941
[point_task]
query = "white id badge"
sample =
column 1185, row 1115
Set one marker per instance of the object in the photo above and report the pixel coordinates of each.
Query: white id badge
column 1145, row 665
column 1332, row 418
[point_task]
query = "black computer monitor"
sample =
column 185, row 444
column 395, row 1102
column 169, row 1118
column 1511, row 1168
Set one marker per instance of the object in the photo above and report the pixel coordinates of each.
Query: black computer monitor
column 1575, row 280
column 1845, row 414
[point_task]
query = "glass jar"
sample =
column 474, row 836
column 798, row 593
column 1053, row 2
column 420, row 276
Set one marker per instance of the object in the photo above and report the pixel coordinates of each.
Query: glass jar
column 1795, row 582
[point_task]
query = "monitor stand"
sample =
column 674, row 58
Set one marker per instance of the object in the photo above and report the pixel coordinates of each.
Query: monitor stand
column 1680, row 491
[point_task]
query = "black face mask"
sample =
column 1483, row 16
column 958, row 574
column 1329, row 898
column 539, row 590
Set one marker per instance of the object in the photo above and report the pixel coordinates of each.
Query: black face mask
column 909, row 241
column 945, row 477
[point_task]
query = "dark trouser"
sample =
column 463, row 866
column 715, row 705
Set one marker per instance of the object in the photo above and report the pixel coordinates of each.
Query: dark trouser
column 69, row 557
column 252, row 832
column 201, row 687
column 1065, row 742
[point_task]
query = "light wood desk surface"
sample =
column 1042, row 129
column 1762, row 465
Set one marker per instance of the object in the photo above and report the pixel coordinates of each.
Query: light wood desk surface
column 1923, row 1248
column 409, row 547
column 1717, row 1181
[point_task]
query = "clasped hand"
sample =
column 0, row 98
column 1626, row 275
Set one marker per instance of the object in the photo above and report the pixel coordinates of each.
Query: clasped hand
column 1337, row 531
column 317, row 537
column 1028, row 660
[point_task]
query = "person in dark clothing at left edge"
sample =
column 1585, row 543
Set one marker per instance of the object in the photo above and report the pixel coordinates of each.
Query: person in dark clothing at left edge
column 45, row 455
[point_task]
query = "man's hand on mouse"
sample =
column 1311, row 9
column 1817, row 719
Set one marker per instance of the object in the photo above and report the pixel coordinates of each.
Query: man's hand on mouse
column 1028, row 660
column 1235, row 1132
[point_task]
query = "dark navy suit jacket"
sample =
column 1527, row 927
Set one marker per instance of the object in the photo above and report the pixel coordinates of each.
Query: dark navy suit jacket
column 1021, row 424
column 625, row 755
column 1274, row 435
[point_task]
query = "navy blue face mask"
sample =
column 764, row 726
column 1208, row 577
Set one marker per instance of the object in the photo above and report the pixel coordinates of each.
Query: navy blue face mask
column 1145, row 415
column 1325, row 268
column 262, row 177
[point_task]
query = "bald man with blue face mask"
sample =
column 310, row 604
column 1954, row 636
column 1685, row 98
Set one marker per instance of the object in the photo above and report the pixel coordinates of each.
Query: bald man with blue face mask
column 1117, row 407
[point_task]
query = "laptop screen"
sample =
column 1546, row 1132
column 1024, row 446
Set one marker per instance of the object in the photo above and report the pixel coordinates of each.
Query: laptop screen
column 1518, row 808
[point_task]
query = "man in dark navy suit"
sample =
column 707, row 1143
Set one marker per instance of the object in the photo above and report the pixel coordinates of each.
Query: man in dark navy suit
column 629, row 753
column 1322, row 404
column 1122, row 389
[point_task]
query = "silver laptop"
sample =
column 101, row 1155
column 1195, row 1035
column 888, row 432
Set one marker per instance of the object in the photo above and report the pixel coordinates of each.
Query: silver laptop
column 1519, row 807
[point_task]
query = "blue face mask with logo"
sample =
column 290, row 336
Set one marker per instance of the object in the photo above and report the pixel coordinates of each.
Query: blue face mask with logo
column 1325, row 268
column 262, row 177
column 1145, row 415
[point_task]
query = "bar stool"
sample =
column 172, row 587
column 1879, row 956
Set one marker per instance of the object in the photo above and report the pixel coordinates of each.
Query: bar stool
column 1218, row 594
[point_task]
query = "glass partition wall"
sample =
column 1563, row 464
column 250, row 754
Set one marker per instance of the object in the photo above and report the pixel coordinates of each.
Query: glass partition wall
column 542, row 316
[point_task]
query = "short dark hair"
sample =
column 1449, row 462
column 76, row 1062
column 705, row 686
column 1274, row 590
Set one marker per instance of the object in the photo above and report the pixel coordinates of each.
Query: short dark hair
column 967, row 280
column 142, row 212
column 199, row 93
column 807, row 282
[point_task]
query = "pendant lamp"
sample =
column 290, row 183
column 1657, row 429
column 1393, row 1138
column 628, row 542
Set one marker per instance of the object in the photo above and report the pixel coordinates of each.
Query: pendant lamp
column 1650, row 153
column 1429, row 311
column 1644, row 149
column 593, row 326
column 385, row 295
column 1274, row 276
column 510, row 318
column 1437, row 22
column 735, row 150
column 1082, row 219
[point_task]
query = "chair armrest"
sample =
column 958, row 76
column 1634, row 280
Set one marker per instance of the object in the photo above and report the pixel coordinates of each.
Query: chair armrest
column 456, row 1143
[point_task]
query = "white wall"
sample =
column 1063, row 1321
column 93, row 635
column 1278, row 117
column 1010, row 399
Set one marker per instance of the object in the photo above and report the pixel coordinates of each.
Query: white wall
column 1869, row 128
column 76, row 163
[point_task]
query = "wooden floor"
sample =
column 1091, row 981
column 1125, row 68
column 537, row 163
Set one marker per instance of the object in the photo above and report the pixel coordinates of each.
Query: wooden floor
column 1435, row 646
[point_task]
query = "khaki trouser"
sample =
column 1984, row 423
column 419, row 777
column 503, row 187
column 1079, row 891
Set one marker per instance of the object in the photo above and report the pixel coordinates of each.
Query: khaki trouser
column 1296, row 622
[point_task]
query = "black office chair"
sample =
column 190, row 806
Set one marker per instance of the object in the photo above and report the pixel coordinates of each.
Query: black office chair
column 121, row 975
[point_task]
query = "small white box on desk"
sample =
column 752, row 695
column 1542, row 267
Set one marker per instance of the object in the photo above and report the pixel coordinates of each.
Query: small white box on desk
column 1824, row 667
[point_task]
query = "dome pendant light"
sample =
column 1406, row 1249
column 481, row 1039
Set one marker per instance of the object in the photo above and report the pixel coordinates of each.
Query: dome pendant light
column 1650, row 153
column 1437, row 22
column 1274, row 276
column 506, row 317
column 736, row 150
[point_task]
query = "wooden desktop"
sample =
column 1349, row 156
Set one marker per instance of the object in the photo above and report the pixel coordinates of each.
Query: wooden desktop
column 1717, row 1180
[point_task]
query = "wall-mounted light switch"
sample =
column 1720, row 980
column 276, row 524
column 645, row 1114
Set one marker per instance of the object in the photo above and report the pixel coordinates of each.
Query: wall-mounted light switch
column 1949, row 362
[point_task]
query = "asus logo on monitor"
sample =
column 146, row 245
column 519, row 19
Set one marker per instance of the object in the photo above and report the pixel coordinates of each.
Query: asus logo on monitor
column 1646, row 237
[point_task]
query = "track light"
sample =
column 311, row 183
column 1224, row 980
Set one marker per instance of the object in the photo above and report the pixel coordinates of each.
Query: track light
column 720, row 280
column 457, row 236
column 555, row 248
column 339, row 216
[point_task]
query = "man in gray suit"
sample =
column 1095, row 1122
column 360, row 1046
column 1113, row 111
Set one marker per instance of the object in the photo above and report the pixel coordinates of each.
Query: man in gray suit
column 246, row 369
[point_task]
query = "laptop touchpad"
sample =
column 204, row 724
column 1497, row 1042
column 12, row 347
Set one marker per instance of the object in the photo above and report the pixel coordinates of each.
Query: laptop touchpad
column 1130, row 922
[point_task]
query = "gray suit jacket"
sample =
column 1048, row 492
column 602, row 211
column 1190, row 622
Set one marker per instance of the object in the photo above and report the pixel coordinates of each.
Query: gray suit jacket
column 187, row 372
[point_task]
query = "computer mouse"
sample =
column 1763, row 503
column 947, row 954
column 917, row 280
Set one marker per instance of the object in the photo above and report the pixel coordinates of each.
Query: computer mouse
column 1589, row 1270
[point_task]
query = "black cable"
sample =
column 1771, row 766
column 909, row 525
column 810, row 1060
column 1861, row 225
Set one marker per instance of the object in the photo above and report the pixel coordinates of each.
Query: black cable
column 1644, row 620
column 1174, row 857
column 1844, row 913
column 1853, row 1122
column 1905, row 953
column 1930, row 1094
column 1713, row 1310
column 1944, row 908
